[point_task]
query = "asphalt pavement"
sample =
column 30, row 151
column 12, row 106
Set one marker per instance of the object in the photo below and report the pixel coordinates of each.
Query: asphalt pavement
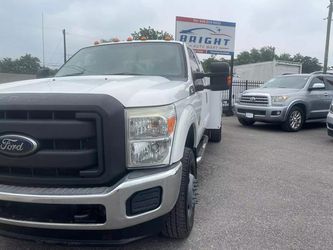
column 261, row 188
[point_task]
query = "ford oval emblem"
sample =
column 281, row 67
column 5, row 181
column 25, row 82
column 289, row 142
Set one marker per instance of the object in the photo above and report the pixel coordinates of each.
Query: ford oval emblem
column 17, row 145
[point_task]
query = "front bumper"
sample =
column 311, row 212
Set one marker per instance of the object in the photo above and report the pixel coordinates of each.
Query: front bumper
column 112, row 198
column 262, row 113
column 330, row 124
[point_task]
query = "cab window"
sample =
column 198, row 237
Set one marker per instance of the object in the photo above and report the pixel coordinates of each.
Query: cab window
column 193, row 62
column 329, row 82
column 317, row 79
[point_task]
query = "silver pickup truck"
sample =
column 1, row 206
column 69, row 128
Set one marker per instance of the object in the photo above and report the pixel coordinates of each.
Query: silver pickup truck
column 107, row 150
column 290, row 100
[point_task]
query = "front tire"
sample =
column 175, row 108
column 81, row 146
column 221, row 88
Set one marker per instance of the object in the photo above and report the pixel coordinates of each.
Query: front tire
column 179, row 222
column 294, row 121
column 245, row 121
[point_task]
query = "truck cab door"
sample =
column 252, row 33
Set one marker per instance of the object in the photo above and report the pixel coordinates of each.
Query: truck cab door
column 202, row 108
column 319, row 99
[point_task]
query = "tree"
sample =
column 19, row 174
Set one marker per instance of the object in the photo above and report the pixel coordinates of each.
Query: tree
column 255, row 55
column 262, row 55
column 207, row 62
column 309, row 64
column 284, row 57
column 150, row 34
column 7, row 65
column 243, row 58
column 26, row 64
column 267, row 53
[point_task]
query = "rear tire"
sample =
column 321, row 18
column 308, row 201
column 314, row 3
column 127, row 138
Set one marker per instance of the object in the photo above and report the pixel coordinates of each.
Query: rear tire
column 245, row 121
column 179, row 221
column 295, row 120
column 215, row 135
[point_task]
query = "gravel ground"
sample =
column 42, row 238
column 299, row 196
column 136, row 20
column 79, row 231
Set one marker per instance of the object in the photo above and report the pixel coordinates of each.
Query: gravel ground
column 261, row 188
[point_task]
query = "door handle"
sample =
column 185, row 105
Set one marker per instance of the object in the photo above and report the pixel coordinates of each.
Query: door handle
column 325, row 94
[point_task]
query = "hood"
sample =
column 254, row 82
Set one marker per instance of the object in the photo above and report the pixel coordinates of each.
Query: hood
column 131, row 91
column 271, row 91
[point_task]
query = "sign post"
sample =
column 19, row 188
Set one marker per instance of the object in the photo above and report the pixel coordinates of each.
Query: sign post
column 208, row 37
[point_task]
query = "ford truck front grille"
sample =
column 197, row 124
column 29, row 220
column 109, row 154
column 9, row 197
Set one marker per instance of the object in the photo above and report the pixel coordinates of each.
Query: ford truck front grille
column 254, row 100
column 68, row 141
column 74, row 146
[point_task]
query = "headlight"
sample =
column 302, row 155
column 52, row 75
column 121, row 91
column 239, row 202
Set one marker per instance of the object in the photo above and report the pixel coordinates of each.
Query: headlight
column 149, row 136
column 331, row 108
column 279, row 99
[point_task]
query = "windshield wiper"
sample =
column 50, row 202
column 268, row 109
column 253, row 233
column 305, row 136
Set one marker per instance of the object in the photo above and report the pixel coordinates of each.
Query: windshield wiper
column 80, row 70
column 74, row 74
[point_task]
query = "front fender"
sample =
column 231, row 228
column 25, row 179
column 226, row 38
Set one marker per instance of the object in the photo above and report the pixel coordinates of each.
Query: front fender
column 186, row 117
column 295, row 102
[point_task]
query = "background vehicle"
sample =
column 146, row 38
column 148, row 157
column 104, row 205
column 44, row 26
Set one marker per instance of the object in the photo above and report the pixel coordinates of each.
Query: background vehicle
column 329, row 121
column 290, row 100
column 111, row 143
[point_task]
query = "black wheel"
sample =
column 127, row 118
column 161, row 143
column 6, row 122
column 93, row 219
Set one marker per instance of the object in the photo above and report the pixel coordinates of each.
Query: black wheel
column 294, row 121
column 179, row 222
column 215, row 135
column 246, row 121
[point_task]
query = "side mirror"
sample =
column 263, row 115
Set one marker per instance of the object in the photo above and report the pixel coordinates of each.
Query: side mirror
column 219, row 76
column 317, row 86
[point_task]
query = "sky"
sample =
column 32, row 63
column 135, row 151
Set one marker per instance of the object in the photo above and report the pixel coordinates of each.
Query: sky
column 291, row 26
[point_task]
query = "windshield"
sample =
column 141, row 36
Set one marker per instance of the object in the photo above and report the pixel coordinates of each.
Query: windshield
column 153, row 59
column 290, row 82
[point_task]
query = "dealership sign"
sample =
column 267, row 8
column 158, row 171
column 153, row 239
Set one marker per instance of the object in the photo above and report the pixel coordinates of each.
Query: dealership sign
column 206, row 36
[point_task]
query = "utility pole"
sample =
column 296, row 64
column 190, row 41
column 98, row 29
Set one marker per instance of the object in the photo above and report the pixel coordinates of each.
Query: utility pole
column 329, row 20
column 43, row 40
column 64, row 34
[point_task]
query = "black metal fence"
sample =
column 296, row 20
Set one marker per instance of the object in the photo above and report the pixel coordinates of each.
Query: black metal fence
column 238, row 87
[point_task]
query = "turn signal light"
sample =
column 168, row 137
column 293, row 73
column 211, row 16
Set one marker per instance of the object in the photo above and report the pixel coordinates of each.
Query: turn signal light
column 171, row 124
column 115, row 40
column 229, row 81
column 168, row 38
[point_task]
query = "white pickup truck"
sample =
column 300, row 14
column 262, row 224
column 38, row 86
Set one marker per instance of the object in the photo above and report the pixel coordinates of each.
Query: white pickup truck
column 107, row 150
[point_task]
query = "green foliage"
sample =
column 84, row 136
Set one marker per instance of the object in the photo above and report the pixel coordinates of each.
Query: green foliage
column 309, row 64
column 262, row 55
column 207, row 62
column 7, row 65
column 26, row 64
column 150, row 34
column 147, row 33
column 267, row 53
column 285, row 57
